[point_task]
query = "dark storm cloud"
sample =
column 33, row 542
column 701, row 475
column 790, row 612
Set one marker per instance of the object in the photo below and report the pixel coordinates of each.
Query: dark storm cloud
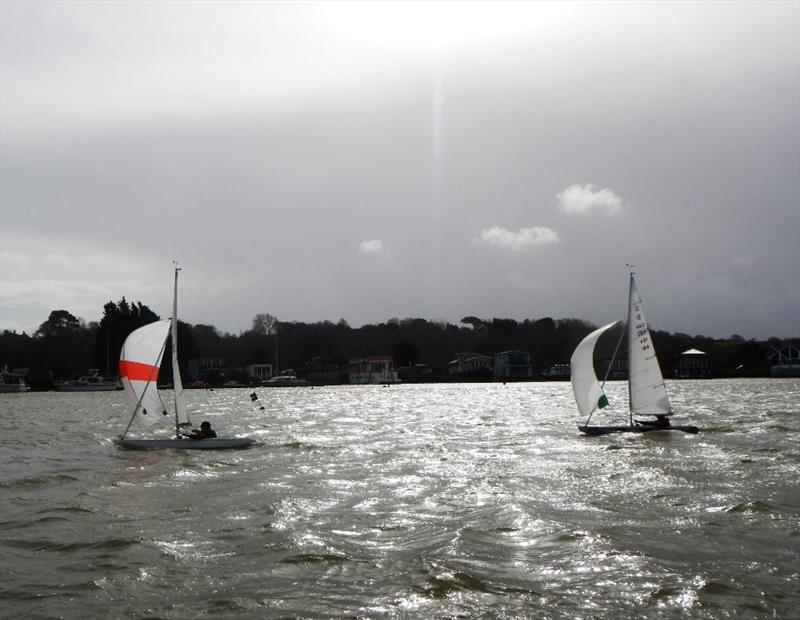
column 428, row 160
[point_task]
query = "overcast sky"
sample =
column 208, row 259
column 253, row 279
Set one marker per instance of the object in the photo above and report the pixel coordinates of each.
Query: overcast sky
column 375, row 160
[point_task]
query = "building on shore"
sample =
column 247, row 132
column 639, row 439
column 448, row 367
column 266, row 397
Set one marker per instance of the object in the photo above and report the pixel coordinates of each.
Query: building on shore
column 259, row 372
column 320, row 371
column 785, row 362
column 513, row 365
column 418, row 373
column 557, row 372
column 206, row 369
column 471, row 366
column 373, row 369
column 694, row 364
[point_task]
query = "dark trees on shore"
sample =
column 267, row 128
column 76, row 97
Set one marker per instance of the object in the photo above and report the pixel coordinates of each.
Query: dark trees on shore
column 119, row 320
column 64, row 346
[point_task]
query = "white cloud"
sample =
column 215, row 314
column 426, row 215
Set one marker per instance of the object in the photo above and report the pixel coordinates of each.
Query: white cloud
column 499, row 237
column 372, row 246
column 582, row 199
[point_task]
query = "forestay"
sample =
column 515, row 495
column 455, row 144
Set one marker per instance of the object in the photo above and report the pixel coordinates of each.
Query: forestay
column 139, row 362
column 589, row 394
column 648, row 394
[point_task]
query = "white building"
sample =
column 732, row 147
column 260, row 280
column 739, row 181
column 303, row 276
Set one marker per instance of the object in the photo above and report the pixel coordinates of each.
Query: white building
column 693, row 364
column 259, row 372
column 467, row 364
column 373, row 369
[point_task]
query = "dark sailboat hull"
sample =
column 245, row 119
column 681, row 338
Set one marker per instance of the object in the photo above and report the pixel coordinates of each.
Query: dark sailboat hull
column 636, row 428
column 230, row 443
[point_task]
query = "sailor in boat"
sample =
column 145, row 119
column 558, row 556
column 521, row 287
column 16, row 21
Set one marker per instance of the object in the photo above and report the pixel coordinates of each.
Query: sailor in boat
column 661, row 421
column 204, row 432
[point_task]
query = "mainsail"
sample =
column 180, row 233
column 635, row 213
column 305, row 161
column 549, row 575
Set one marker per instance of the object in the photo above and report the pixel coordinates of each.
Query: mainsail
column 589, row 394
column 139, row 362
column 648, row 394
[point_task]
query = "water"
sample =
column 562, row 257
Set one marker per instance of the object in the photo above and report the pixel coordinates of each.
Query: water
column 434, row 501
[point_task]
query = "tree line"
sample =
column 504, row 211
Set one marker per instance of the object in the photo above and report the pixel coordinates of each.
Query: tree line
column 65, row 346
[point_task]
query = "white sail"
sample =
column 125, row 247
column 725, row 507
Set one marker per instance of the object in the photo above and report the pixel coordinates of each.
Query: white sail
column 139, row 362
column 648, row 394
column 181, row 415
column 589, row 395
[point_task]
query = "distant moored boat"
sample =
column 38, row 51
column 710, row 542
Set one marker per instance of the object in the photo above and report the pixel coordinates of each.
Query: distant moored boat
column 94, row 382
column 287, row 378
column 12, row 382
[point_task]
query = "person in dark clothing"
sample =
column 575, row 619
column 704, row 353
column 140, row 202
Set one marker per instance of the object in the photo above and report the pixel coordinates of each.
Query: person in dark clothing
column 204, row 432
column 661, row 421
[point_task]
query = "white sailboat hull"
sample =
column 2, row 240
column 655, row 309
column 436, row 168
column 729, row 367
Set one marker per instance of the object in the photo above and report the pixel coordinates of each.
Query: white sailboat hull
column 220, row 443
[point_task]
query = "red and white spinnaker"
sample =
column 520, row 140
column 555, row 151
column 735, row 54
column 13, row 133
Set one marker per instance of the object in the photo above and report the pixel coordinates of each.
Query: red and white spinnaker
column 139, row 363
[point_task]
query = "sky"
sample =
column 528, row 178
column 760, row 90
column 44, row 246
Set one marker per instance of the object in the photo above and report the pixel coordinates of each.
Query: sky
column 369, row 161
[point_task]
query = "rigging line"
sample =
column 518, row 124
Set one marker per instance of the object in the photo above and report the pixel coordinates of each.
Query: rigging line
column 613, row 358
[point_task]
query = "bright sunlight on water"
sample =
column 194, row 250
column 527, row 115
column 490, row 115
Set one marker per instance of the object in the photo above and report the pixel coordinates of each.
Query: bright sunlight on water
column 412, row 501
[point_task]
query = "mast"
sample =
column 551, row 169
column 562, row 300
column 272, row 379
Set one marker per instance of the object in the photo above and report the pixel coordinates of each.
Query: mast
column 629, row 328
column 181, row 416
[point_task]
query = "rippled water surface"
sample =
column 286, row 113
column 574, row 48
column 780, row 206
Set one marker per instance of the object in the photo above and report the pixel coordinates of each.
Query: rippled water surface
column 417, row 501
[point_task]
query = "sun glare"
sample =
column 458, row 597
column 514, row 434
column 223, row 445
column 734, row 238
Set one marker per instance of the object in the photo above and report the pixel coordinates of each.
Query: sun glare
column 429, row 25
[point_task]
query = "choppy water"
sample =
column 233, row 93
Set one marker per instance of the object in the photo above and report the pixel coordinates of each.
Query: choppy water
column 436, row 501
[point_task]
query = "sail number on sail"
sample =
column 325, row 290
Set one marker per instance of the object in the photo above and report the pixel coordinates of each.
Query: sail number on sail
column 641, row 327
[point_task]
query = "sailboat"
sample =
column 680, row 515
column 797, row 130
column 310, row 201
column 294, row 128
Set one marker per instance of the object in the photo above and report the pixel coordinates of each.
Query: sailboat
column 139, row 363
column 647, row 394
